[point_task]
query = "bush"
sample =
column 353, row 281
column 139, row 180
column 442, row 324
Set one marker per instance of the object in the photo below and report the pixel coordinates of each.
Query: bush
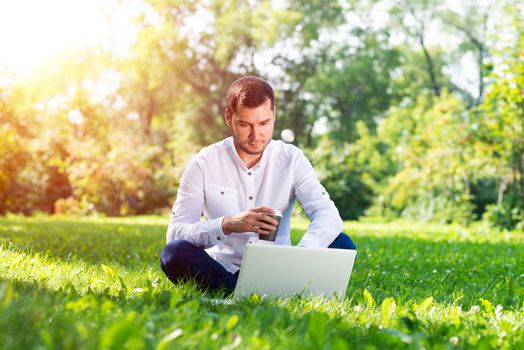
column 504, row 216
column 74, row 207
column 350, row 172
column 484, row 192
column 441, row 208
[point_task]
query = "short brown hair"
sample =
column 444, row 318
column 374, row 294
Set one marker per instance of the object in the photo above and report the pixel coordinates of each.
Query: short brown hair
column 250, row 92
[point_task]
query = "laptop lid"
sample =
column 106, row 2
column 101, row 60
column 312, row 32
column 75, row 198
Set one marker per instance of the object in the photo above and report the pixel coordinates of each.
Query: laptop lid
column 284, row 271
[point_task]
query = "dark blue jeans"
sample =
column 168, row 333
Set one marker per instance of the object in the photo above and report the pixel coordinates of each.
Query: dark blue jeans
column 181, row 260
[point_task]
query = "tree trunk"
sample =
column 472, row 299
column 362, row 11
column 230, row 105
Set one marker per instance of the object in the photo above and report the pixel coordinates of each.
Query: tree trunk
column 520, row 174
column 520, row 156
column 467, row 184
column 309, row 136
column 502, row 188
column 151, row 106
column 482, row 53
column 431, row 68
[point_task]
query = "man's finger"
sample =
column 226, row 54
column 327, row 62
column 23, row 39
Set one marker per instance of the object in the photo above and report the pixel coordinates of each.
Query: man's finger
column 260, row 231
column 264, row 210
column 268, row 219
column 263, row 218
column 266, row 226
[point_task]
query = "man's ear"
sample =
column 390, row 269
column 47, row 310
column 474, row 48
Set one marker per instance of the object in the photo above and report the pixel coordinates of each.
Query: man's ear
column 227, row 117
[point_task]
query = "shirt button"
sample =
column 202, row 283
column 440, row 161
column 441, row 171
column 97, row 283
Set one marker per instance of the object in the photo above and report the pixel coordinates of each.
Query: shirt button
column 218, row 238
column 249, row 173
column 221, row 192
column 250, row 197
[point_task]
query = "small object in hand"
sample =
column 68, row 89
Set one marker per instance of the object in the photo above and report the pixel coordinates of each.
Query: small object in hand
column 272, row 235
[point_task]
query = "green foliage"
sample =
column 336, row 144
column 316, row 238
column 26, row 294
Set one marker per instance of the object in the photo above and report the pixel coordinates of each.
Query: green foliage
column 353, row 174
column 501, row 128
column 352, row 84
column 505, row 215
column 96, row 283
column 418, row 161
column 13, row 160
column 342, row 181
column 484, row 191
column 374, row 100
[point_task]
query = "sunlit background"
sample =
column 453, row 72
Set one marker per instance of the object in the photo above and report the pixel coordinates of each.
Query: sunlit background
column 32, row 31
column 406, row 108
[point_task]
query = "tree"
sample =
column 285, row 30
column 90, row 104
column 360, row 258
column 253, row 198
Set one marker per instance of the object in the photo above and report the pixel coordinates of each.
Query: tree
column 472, row 25
column 501, row 118
column 353, row 84
column 428, row 142
column 414, row 18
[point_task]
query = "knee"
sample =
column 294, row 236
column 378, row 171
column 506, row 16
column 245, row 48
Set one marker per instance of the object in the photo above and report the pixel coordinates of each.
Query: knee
column 343, row 241
column 176, row 251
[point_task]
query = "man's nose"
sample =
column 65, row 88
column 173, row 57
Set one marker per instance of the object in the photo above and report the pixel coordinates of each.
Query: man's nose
column 255, row 130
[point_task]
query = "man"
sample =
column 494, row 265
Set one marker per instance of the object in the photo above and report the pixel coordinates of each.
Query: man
column 235, row 183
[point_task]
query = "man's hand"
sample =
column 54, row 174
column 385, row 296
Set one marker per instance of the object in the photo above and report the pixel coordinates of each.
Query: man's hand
column 251, row 220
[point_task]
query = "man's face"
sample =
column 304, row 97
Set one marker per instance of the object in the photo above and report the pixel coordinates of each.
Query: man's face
column 252, row 128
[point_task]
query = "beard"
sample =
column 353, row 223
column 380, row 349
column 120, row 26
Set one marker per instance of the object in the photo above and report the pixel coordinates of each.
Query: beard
column 255, row 150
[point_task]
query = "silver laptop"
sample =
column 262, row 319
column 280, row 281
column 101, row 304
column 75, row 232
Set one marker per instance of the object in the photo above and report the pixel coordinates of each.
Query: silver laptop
column 285, row 271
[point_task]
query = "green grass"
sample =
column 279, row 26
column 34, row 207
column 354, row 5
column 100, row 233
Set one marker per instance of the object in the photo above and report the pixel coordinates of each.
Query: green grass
column 96, row 283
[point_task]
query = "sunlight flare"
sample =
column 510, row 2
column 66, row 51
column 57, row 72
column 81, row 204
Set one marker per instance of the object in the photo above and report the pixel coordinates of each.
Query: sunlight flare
column 32, row 32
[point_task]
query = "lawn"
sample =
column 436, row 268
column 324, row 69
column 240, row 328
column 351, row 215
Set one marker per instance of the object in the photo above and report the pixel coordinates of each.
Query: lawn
column 96, row 283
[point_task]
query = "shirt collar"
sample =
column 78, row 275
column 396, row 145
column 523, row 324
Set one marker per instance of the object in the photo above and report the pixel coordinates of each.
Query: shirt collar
column 262, row 162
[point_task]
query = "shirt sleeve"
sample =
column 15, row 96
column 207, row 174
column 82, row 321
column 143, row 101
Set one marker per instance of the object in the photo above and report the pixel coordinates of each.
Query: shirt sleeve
column 185, row 220
column 326, row 223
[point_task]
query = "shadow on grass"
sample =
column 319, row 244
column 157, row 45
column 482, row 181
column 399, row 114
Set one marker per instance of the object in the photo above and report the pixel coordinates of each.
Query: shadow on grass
column 95, row 242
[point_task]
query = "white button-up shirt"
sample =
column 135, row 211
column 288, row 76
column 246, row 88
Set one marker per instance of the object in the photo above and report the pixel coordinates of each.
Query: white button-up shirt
column 217, row 183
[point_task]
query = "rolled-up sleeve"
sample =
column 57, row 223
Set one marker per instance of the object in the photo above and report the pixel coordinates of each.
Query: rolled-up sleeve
column 185, row 220
column 326, row 223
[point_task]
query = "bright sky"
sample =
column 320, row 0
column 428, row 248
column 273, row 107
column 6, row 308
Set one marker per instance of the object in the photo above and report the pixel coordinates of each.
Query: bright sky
column 32, row 31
